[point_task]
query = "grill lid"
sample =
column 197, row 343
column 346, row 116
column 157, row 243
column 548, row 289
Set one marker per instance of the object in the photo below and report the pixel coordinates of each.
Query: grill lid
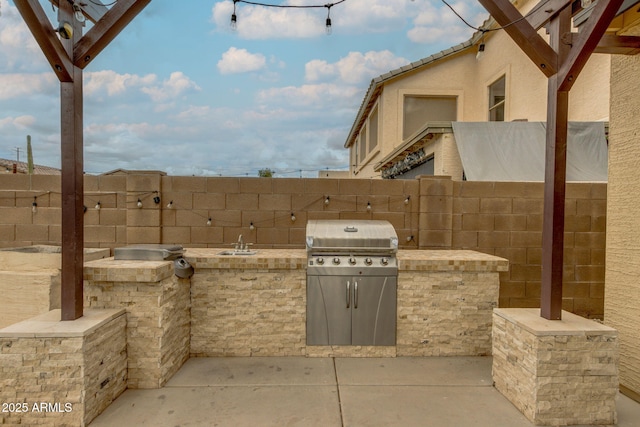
column 148, row 252
column 351, row 235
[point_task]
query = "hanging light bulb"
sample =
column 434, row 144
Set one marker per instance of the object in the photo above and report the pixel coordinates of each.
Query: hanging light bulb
column 34, row 206
column 170, row 205
column 98, row 205
column 209, row 222
column 368, row 206
column 251, row 226
column 77, row 13
column 139, row 203
column 406, row 201
column 234, row 17
column 326, row 201
column 409, row 238
column 156, row 200
column 328, row 28
column 293, row 217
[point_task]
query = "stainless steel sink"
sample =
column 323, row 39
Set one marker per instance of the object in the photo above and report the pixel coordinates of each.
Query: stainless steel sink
column 237, row 252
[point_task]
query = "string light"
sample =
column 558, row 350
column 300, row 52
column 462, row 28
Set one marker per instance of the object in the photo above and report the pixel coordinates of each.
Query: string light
column 409, row 238
column 98, row 206
column 170, row 205
column 209, row 222
column 326, row 201
column 34, row 205
column 406, row 201
column 139, row 203
column 368, row 206
column 328, row 27
column 251, row 226
column 156, row 200
column 293, row 217
column 78, row 13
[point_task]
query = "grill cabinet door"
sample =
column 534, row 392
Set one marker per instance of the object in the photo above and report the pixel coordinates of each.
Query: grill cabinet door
column 328, row 317
column 374, row 310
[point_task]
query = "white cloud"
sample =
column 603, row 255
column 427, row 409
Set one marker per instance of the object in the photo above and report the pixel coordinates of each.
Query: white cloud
column 176, row 85
column 355, row 68
column 21, row 85
column 440, row 23
column 18, row 49
column 318, row 95
column 236, row 61
column 113, row 82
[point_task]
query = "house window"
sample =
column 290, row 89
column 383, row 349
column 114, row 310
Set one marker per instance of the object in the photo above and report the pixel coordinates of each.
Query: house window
column 497, row 100
column 373, row 130
column 419, row 110
column 362, row 145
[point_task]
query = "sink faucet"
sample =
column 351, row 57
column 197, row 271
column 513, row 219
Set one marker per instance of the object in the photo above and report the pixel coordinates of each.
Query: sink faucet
column 240, row 246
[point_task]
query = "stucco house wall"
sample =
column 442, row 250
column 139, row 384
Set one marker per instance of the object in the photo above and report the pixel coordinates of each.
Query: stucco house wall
column 622, row 289
column 463, row 75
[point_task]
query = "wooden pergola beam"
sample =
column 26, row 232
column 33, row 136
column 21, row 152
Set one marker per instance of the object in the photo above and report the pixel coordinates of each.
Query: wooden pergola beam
column 527, row 38
column 45, row 35
column 545, row 11
column 588, row 37
column 109, row 24
column 105, row 30
column 610, row 44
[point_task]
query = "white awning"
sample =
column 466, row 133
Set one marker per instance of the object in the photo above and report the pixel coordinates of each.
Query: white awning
column 515, row 151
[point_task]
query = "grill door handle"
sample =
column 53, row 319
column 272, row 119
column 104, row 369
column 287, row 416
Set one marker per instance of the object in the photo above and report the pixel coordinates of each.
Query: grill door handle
column 348, row 294
column 355, row 292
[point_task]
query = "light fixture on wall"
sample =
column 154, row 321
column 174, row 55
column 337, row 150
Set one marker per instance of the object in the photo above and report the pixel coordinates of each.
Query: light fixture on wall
column 139, row 204
column 481, row 48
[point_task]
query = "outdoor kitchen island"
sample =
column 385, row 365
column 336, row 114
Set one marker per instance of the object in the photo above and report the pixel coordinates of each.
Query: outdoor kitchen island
column 255, row 305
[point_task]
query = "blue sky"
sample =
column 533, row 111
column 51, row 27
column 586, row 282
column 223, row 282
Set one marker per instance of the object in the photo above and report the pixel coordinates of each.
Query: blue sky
column 179, row 91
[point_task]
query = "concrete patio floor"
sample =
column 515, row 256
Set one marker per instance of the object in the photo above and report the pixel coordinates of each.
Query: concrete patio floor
column 298, row 391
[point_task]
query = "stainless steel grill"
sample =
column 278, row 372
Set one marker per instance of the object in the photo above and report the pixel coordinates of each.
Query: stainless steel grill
column 351, row 282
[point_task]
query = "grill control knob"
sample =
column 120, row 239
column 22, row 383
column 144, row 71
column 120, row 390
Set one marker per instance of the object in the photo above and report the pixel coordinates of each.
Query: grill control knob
column 368, row 261
column 352, row 261
column 320, row 260
column 384, row 261
column 336, row 261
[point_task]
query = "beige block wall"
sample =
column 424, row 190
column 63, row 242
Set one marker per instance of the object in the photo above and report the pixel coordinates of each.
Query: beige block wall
column 622, row 293
column 502, row 218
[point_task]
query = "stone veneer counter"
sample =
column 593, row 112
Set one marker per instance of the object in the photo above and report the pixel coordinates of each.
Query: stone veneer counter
column 281, row 259
column 419, row 260
column 255, row 305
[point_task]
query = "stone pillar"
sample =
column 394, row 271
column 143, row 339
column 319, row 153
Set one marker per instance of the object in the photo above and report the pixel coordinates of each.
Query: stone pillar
column 556, row 372
column 62, row 373
column 158, row 314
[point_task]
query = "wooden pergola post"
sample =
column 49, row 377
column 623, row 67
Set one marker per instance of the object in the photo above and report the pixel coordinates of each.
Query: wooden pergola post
column 68, row 57
column 561, row 61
